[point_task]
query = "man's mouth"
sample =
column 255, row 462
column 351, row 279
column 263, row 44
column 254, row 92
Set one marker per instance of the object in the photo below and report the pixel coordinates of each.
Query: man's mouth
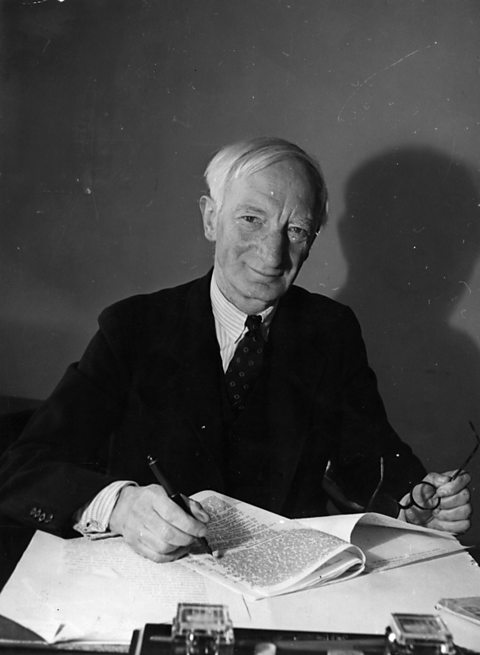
column 271, row 274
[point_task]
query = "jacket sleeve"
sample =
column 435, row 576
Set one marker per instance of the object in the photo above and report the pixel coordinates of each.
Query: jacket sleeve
column 59, row 462
column 366, row 437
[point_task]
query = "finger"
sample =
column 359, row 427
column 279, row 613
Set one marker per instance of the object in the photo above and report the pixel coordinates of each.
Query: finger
column 454, row 514
column 162, row 535
column 453, row 486
column 146, row 551
column 174, row 515
column 418, row 516
column 456, row 527
column 457, row 500
column 446, row 486
column 424, row 496
column 146, row 540
column 437, row 479
column 197, row 510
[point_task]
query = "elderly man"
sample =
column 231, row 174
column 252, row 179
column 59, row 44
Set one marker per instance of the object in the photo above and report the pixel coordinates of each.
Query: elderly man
column 239, row 382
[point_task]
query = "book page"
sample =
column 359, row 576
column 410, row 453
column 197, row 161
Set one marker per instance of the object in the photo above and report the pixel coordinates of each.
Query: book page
column 343, row 525
column 387, row 548
column 385, row 541
column 260, row 553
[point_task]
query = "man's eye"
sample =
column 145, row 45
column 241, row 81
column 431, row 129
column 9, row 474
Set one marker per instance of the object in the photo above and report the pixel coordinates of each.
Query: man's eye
column 248, row 218
column 297, row 234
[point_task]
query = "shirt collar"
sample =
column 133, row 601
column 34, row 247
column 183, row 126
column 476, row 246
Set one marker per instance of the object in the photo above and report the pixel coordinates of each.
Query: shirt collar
column 230, row 317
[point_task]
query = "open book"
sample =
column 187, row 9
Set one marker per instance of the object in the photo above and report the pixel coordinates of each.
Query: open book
column 261, row 554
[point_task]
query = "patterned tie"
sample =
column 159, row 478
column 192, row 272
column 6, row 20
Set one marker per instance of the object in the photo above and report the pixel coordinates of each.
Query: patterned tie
column 246, row 363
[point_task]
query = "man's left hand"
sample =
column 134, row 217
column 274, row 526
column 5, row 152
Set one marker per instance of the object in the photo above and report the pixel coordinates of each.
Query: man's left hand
column 453, row 512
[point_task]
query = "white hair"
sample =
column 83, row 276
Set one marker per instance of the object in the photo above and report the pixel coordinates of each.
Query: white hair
column 253, row 155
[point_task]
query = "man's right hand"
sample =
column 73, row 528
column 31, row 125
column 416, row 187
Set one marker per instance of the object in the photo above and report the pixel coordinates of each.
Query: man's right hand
column 153, row 525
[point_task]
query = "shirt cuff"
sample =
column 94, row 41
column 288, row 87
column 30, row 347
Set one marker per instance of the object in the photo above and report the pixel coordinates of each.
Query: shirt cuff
column 92, row 520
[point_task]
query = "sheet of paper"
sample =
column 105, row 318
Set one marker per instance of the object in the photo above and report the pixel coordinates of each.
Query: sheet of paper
column 72, row 589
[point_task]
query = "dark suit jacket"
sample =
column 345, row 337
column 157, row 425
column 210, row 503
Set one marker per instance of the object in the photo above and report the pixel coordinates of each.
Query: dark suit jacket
column 150, row 383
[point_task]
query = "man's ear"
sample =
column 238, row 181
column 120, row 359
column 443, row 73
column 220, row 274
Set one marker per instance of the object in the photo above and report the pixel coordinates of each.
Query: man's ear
column 209, row 215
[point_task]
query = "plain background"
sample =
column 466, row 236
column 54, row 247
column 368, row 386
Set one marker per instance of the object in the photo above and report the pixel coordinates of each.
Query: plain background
column 112, row 108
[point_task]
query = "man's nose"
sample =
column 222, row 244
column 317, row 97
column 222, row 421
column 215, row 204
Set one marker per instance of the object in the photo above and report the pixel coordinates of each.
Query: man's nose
column 273, row 248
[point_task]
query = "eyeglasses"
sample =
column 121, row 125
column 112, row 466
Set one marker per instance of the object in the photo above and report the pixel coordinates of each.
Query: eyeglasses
column 467, row 461
column 423, row 495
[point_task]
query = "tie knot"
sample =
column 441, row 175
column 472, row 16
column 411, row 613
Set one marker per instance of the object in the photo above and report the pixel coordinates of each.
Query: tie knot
column 253, row 323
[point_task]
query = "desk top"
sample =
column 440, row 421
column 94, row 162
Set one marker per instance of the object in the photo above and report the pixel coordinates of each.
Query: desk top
column 13, row 541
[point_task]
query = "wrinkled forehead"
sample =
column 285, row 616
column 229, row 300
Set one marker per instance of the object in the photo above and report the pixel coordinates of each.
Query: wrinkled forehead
column 280, row 182
column 291, row 168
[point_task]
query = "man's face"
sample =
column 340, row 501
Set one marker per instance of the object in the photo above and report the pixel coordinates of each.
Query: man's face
column 263, row 232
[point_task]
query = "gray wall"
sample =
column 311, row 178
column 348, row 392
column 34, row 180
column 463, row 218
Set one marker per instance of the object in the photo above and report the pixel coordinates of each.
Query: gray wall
column 111, row 108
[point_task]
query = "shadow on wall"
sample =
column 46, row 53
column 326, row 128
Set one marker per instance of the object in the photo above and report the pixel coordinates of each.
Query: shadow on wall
column 411, row 238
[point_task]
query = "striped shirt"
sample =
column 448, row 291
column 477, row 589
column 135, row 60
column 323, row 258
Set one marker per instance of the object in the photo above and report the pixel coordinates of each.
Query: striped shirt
column 230, row 322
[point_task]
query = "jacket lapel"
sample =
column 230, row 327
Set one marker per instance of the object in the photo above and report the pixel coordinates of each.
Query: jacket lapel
column 203, row 373
column 181, row 382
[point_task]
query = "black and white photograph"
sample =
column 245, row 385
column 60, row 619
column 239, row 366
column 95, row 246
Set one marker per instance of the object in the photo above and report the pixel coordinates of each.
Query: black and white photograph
column 240, row 326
